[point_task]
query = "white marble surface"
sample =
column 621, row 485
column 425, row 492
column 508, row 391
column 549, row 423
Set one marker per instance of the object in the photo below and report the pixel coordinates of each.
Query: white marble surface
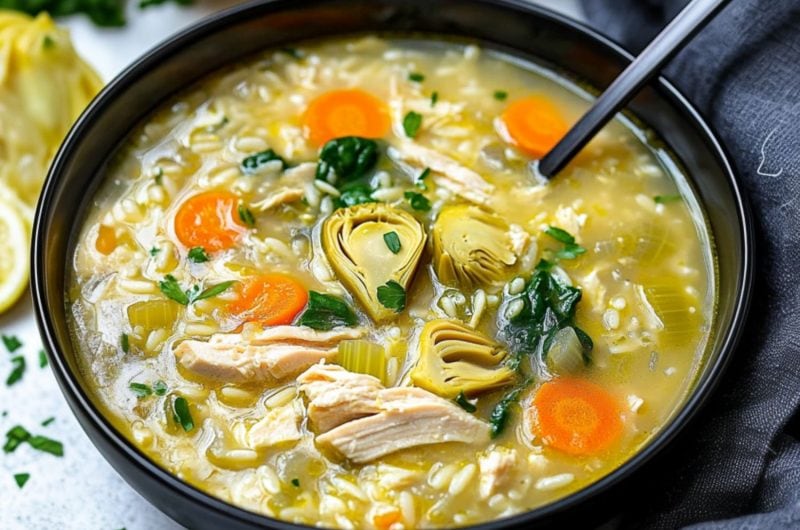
column 81, row 491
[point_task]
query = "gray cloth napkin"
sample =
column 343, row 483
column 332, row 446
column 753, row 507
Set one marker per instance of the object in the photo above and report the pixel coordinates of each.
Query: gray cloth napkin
column 739, row 465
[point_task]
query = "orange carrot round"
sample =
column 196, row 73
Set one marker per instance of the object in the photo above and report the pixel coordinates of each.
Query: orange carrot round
column 383, row 521
column 576, row 416
column 208, row 220
column 349, row 112
column 269, row 299
column 106, row 240
column 534, row 124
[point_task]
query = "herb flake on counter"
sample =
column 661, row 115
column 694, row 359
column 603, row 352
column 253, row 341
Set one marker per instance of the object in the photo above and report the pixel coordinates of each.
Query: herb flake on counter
column 411, row 123
column 325, row 312
column 48, row 421
column 198, row 255
column 392, row 241
column 47, row 445
column 12, row 343
column 418, row 201
column 18, row 435
column 254, row 163
column 181, row 414
column 17, row 371
column 500, row 95
column 43, row 362
column 21, row 479
column 666, row 199
column 462, row 401
column 392, row 296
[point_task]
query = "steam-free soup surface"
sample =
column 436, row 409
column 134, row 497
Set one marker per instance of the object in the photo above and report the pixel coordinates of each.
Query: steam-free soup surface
column 324, row 285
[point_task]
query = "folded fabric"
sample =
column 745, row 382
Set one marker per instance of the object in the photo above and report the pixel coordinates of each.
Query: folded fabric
column 739, row 465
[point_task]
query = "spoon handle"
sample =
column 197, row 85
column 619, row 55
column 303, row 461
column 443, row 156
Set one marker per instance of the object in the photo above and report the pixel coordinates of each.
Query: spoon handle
column 682, row 28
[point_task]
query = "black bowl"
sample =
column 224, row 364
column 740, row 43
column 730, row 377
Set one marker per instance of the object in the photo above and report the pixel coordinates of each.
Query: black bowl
column 512, row 25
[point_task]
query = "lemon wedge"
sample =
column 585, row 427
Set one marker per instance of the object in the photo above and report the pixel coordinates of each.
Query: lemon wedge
column 14, row 265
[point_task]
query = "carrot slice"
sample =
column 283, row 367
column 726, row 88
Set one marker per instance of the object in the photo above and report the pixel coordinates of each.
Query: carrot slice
column 576, row 416
column 106, row 240
column 535, row 124
column 383, row 521
column 270, row 299
column 350, row 112
column 208, row 220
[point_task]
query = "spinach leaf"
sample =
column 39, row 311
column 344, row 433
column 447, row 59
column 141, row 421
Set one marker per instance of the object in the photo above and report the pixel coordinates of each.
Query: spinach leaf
column 418, row 201
column 253, row 164
column 501, row 412
column 346, row 159
column 324, row 312
column 462, row 401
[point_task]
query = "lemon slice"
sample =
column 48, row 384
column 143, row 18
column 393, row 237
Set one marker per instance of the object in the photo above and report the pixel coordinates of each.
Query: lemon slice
column 14, row 264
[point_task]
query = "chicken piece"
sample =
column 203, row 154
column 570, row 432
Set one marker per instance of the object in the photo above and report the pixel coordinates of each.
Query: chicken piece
column 447, row 172
column 496, row 467
column 364, row 421
column 266, row 356
column 290, row 187
column 279, row 426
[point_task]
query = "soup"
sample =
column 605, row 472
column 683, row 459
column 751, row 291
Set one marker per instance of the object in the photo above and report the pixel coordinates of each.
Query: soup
column 326, row 286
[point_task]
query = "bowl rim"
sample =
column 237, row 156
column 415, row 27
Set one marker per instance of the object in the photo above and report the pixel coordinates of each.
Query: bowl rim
column 80, row 402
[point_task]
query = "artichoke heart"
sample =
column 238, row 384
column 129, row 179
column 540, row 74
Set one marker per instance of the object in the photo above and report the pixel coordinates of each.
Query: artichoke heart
column 353, row 241
column 454, row 358
column 472, row 247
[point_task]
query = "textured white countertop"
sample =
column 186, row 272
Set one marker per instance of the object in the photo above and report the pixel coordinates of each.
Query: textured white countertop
column 81, row 491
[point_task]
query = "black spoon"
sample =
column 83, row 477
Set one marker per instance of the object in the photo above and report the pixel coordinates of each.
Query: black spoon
column 683, row 27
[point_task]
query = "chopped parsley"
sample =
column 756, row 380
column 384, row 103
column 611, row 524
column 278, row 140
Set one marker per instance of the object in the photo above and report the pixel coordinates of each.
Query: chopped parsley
column 173, row 290
column 181, row 414
column 17, row 371
column 666, row 199
column 141, row 390
column 434, row 98
column 325, row 312
column 42, row 359
column 392, row 241
column 416, row 77
column 154, row 251
column 21, row 479
column 159, row 388
column 571, row 249
column 418, row 201
column 125, row 343
column 462, row 401
column 48, row 421
column 12, row 343
column 296, row 482
column 500, row 95
column 198, row 255
column 392, row 296
column 411, row 123
column 246, row 216
column 18, row 435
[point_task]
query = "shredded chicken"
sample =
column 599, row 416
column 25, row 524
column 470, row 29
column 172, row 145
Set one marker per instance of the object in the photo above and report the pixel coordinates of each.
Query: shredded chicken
column 447, row 172
column 269, row 355
column 496, row 467
column 290, row 187
column 279, row 426
column 361, row 419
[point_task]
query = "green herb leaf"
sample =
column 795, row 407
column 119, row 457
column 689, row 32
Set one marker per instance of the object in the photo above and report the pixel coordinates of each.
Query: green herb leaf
column 197, row 255
column 498, row 418
column 254, row 163
column 464, row 403
column 411, row 124
column 48, row 43
column 416, row 77
column 560, row 235
column 325, row 312
column 17, row 371
column 21, row 479
column 125, row 343
column 392, row 296
column 15, row 437
column 214, row 290
column 106, row 13
column 160, row 388
column 666, row 199
column 296, row 482
column 346, row 159
column 418, row 201
column 141, row 390
column 46, row 445
column 570, row 251
column 425, row 173
column 434, row 98
column 181, row 414
column 354, row 194
column 246, row 216
column 392, row 241
column 12, row 343
column 48, row 421
column 500, row 95
column 154, row 251
column 544, row 265
column 172, row 290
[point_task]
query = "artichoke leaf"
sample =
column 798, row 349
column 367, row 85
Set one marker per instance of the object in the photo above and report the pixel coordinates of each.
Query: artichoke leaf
column 353, row 241
column 454, row 359
column 472, row 247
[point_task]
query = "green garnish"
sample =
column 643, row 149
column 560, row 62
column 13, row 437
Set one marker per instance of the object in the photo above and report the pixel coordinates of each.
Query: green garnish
column 346, row 159
column 500, row 95
column 416, row 77
column 181, row 414
column 498, row 418
column 48, row 421
column 665, row 199
column 411, row 123
column 434, row 98
column 141, row 390
column 559, row 234
column 159, row 388
column 173, row 290
column 424, row 174
column 253, row 164
column 18, row 435
column 571, row 249
column 292, row 52
column 21, row 479
column 325, row 312
column 392, row 296
column 464, row 403
column 17, row 371
column 15, row 437
column 246, row 216
column 198, row 255
column 418, row 201
column 354, row 194
column 46, row 445
column 125, row 343
column 296, row 482
column 48, row 42
column 392, row 241
column 154, row 251
column 12, row 343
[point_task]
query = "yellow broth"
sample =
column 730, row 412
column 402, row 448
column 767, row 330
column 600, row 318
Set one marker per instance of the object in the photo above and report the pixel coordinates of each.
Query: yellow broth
column 646, row 279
